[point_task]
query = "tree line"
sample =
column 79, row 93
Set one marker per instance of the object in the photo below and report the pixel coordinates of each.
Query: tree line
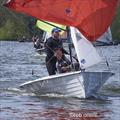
column 14, row 26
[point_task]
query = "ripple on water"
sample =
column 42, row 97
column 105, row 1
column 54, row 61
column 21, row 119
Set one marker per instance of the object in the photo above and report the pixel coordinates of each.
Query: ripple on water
column 19, row 61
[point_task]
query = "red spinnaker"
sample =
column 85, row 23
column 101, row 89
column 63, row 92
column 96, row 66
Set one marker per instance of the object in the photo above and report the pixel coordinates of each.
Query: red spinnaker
column 91, row 17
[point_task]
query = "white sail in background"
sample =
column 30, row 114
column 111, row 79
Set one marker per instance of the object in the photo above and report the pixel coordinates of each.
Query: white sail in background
column 85, row 51
column 106, row 37
column 46, row 35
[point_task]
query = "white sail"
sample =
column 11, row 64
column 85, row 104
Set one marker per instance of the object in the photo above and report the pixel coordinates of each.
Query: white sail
column 46, row 35
column 76, row 83
column 106, row 37
column 85, row 51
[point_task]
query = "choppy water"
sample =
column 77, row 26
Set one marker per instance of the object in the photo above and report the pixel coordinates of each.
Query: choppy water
column 17, row 63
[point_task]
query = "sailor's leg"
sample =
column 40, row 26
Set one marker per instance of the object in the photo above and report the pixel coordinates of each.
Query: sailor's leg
column 51, row 68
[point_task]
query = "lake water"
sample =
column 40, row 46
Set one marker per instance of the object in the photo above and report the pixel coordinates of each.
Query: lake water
column 20, row 63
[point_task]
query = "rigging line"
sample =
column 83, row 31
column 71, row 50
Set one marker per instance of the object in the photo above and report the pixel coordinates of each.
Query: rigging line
column 17, row 18
column 69, row 44
column 53, row 56
column 50, row 59
column 53, row 52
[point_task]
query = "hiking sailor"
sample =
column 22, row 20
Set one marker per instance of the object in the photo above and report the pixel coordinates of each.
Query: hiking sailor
column 50, row 45
column 37, row 42
column 64, row 64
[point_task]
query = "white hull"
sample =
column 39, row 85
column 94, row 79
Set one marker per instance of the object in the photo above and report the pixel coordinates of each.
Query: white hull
column 40, row 51
column 76, row 84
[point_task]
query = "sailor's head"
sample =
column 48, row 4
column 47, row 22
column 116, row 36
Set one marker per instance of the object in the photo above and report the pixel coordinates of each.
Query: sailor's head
column 55, row 32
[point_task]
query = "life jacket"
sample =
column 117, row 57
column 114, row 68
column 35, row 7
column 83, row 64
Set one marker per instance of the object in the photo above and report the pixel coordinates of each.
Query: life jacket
column 64, row 62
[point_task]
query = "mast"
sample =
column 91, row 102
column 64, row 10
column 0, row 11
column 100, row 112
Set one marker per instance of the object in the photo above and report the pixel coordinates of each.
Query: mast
column 69, row 43
column 44, row 36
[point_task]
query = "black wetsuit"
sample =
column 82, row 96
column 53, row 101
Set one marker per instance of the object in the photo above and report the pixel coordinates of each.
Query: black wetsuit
column 50, row 45
column 64, row 62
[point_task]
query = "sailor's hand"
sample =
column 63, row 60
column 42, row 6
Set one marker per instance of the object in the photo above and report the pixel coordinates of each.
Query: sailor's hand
column 58, row 54
column 64, row 68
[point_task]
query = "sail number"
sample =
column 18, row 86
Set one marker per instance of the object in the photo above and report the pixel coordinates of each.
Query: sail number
column 43, row 83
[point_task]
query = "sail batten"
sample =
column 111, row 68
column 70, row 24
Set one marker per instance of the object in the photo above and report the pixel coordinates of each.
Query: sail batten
column 91, row 17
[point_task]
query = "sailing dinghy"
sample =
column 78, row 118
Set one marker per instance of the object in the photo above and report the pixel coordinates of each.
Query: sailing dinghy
column 77, row 84
column 74, row 84
column 91, row 18
column 47, row 28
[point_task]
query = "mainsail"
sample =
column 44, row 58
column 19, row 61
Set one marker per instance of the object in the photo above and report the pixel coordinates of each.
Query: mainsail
column 86, row 53
column 91, row 17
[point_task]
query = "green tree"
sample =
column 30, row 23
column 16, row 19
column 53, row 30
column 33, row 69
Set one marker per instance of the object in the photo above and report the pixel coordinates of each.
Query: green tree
column 116, row 25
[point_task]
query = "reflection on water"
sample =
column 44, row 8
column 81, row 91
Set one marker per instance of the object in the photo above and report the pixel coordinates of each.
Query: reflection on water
column 19, row 63
column 62, row 114
column 26, row 107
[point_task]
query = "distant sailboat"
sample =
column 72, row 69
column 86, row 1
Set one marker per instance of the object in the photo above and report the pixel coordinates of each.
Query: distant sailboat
column 105, row 39
column 91, row 18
